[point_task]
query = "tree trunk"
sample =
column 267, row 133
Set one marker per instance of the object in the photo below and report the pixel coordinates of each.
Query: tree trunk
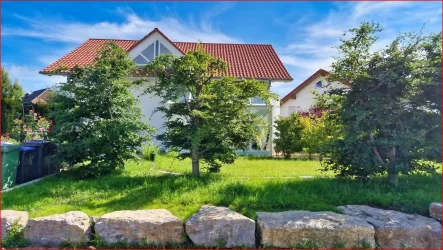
column 393, row 178
column 392, row 170
column 310, row 156
column 195, row 162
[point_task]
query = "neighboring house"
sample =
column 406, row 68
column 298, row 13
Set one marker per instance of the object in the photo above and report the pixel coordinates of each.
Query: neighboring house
column 302, row 97
column 246, row 61
column 40, row 96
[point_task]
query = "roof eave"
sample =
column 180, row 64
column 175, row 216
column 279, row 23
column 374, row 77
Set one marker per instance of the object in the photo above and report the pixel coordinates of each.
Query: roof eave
column 53, row 74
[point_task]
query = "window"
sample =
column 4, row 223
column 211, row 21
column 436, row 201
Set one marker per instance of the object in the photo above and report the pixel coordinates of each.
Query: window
column 149, row 52
column 152, row 51
column 164, row 50
column 257, row 100
column 292, row 109
column 319, row 84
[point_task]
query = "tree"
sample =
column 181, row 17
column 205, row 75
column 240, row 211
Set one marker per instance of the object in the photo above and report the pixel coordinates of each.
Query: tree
column 289, row 135
column 385, row 116
column 12, row 94
column 208, row 118
column 98, row 120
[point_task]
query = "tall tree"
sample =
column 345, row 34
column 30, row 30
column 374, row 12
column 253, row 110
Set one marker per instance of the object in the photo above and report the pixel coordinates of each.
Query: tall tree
column 98, row 120
column 12, row 94
column 209, row 118
column 385, row 116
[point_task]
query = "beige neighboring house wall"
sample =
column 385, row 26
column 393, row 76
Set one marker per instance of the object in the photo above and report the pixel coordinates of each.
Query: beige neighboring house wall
column 302, row 97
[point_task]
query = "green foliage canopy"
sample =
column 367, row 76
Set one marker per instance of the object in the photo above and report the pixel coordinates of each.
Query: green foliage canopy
column 391, row 114
column 288, row 135
column 207, row 117
column 12, row 94
column 98, row 120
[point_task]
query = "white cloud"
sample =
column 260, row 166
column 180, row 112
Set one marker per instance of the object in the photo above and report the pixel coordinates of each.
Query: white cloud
column 362, row 9
column 312, row 48
column 134, row 27
column 70, row 33
column 307, row 64
column 29, row 77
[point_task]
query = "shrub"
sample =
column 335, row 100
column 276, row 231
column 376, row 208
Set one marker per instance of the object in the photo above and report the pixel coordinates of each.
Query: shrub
column 31, row 127
column 99, row 121
column 15, row 237
column 289, row 132
column 149, row 148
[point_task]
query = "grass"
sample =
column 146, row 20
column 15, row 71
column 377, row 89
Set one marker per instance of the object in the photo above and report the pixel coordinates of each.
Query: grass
column 243, row 187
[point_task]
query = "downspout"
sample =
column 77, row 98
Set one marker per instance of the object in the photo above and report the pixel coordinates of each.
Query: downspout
column 271, row 124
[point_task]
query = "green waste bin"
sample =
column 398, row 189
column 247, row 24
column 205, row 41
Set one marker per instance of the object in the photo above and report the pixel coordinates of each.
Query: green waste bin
column 9, row 164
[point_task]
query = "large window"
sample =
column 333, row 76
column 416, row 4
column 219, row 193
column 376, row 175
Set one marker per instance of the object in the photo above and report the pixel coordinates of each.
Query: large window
column 152, row 51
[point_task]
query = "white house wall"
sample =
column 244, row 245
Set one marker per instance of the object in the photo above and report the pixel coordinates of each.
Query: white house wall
column 149, row 103
column 150, row 40
column 305, row 98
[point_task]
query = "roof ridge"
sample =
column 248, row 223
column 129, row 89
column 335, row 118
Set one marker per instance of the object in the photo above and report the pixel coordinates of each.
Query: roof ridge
column 112, row 39
column 134, row 40
column 261, row 44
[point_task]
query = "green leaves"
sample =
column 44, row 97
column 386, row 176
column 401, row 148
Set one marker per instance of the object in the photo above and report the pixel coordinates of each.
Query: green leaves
column 209, row 115
column 289, row 135
column 12, row 94
column 389, row 114
column 98, row 120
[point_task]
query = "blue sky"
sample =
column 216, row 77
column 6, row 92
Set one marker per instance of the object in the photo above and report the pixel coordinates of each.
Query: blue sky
column 303, row 33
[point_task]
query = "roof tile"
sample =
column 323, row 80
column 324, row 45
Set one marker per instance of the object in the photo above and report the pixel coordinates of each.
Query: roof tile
column 244, row 60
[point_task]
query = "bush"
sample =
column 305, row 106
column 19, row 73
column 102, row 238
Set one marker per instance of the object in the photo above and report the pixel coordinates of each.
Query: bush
column 289, row 131
column 99, row 121
column 15, row 237
column 32, row 127
column 149, row 148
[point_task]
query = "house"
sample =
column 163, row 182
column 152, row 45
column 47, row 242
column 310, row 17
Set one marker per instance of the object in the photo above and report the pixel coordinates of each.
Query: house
column 246, row 61
column 302, row 97
column 40, row 96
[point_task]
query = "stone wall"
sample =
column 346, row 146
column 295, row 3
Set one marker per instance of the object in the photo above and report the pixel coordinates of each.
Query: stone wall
column 357, row 227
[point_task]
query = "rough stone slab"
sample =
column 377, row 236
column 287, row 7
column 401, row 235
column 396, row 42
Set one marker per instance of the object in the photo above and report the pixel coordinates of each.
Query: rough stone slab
column 53, row 230
column 327, row 229
column 156, row 226
column 394, row 229
column 220, row 227
column 9, row 217
column 435, row 210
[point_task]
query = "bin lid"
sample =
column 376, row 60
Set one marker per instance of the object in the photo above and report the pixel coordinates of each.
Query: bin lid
column 37, row 143
column 7, row 147
column 27, row 148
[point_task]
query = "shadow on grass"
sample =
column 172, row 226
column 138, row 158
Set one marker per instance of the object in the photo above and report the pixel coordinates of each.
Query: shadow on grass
column 414, row 195
column 273, row 158
column 108, row 193
column 184, row 194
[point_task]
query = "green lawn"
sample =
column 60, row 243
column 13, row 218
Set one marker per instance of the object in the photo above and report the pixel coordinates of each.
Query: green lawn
column 247, row 186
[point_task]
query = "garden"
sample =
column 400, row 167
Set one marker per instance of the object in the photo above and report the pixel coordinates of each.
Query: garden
column 248, row 186
column 378, row 141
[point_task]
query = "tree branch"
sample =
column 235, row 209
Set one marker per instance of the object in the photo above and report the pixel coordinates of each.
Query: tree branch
column 375, row 88
column 375, row 149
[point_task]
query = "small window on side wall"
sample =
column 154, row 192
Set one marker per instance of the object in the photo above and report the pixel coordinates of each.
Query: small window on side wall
column 319, row 84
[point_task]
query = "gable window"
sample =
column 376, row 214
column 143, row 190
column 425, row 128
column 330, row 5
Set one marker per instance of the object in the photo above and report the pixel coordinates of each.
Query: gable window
column 151, row 52
column 319, row 84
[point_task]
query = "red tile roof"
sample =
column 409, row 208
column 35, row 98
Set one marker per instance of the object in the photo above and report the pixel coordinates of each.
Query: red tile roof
column 244, row 60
